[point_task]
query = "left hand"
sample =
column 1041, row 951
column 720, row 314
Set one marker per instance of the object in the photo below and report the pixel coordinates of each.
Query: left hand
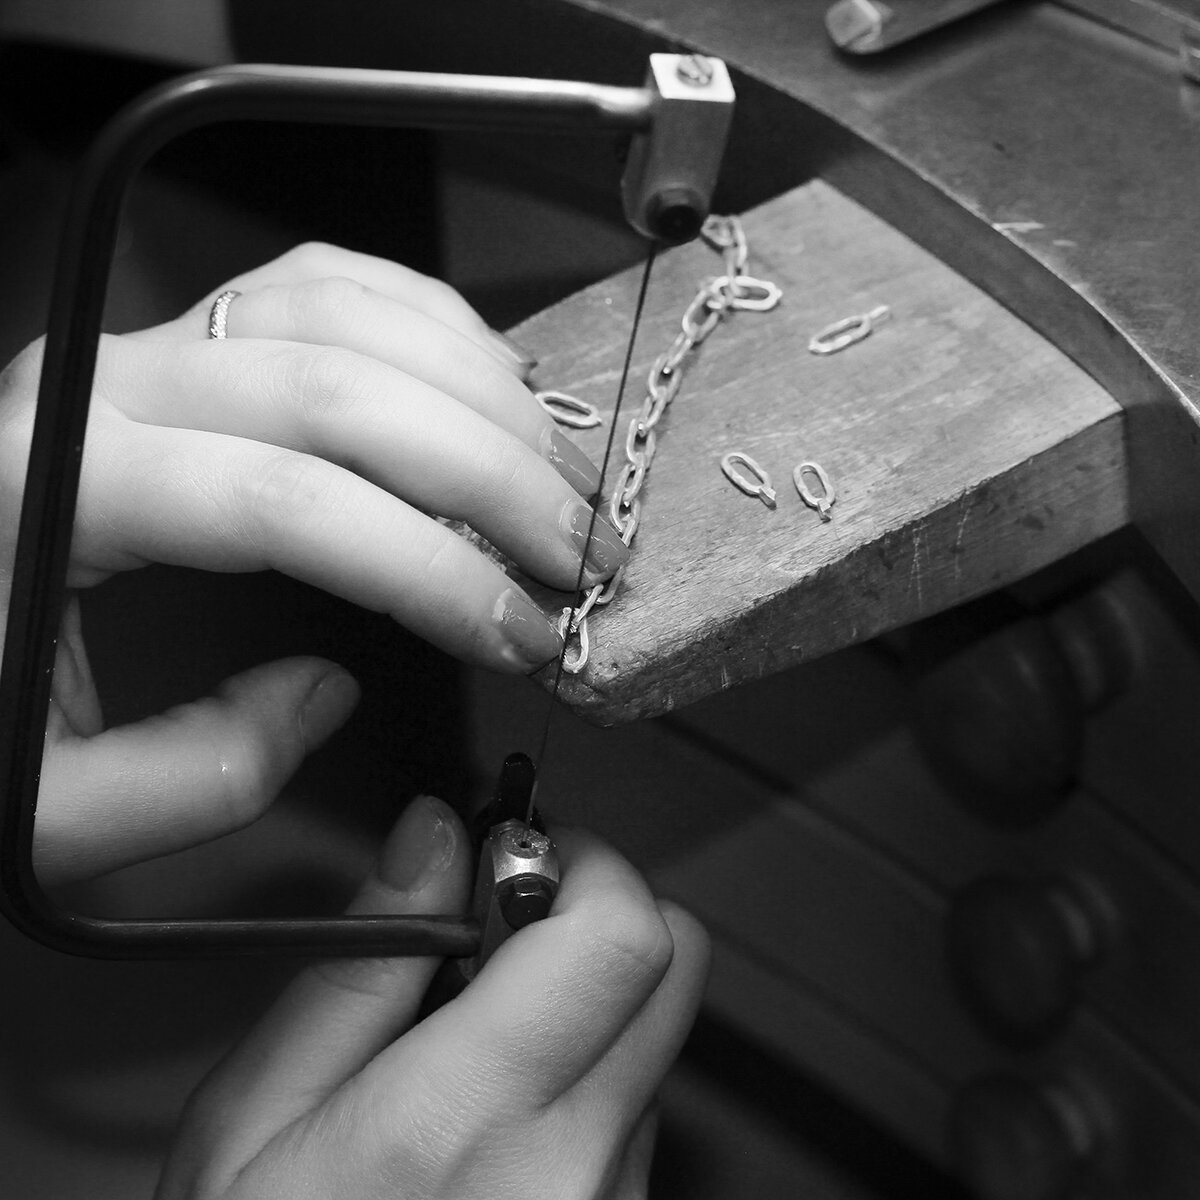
column 352, row 401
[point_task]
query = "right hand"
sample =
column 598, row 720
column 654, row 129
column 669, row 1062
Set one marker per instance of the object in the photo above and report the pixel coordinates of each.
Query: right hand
column 536, row 1083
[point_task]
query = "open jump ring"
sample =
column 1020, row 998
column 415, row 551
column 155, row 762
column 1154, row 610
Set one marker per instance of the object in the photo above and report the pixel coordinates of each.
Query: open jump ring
column 756, row 483
column 218, row 315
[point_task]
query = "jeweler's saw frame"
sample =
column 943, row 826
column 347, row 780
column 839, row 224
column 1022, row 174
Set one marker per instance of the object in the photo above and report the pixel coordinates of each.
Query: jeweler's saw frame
column 678, row 121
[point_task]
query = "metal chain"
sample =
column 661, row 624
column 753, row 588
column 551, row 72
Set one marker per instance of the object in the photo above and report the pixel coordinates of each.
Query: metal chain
column 733, row 291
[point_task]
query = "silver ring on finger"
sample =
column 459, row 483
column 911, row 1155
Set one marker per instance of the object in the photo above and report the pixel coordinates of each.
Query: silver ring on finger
column 218, row 315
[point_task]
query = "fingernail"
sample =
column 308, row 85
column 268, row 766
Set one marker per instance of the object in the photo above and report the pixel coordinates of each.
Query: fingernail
column 513, row 354
column 570, row 462
column 330, row 702
column 529, row 639
column 420, row 846
column 606, row 553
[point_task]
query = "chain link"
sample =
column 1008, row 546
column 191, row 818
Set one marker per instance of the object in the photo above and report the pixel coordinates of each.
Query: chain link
column 733, row 291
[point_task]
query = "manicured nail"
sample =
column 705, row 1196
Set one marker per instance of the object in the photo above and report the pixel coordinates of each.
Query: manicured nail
column 420, row 846
column 570, row 462
column 330, row 702
column 514, row 354
column 529, row 639
column 606, row 553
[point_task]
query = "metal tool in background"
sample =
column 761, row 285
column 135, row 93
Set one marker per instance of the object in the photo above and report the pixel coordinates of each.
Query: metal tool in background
column 872, row 26
column 678, row 121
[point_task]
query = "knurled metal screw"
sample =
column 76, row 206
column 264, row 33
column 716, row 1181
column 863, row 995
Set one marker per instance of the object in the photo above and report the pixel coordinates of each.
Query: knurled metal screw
column 524, row 900
column 695, row 69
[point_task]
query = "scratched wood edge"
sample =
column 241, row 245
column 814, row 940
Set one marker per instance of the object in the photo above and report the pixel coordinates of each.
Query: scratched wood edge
column 1037, row 508
column 898, row 579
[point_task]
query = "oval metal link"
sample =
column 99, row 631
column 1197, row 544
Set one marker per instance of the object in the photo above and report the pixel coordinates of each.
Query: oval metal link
column 635, row 477
column 579, row 615
column 629, row 518
column 626, row 519
column 847, row 331
column 572, row 664
column 609, row 592
column 640, row 454
column 726, row 288
column 735, row 259
column 726, row 235
column 752, row 295
column 753, row 479
column 663, row 383
column 671, row 359
column 821, row 501
column 740, row 248
column 678, row 350
column 624, row 482
column 652, row 412
column 569, row 410
column 619, row 511
column 665, row 374
column 702, row 302
column 716, row 231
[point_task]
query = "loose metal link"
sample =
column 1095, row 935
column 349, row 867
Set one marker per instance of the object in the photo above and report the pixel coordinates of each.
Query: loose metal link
column 822, row 501
column 733, row 291
column 847, row 331
column 753, row 480
column 569, row 410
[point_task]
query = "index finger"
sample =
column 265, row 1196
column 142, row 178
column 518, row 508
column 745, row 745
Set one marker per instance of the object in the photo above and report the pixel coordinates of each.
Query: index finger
column 221, row 503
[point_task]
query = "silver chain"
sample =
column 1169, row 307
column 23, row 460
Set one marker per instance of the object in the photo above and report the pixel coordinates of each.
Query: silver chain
column 733, row 291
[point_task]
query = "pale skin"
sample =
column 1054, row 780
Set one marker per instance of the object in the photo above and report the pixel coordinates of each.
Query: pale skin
column 353, row 401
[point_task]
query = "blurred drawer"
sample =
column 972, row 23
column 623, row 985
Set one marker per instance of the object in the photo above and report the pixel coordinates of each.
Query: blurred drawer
column 839, row 969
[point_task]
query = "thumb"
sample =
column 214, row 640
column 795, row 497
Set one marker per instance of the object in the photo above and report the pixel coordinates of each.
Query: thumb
column 187, row 775
column 331, row 1021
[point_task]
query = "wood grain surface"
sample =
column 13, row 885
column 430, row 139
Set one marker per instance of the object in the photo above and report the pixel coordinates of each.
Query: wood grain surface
column 966, row 452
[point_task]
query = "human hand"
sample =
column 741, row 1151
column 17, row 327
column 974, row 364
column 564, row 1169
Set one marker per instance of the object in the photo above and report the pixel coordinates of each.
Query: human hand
column 535, row 1082
column 351, row 402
